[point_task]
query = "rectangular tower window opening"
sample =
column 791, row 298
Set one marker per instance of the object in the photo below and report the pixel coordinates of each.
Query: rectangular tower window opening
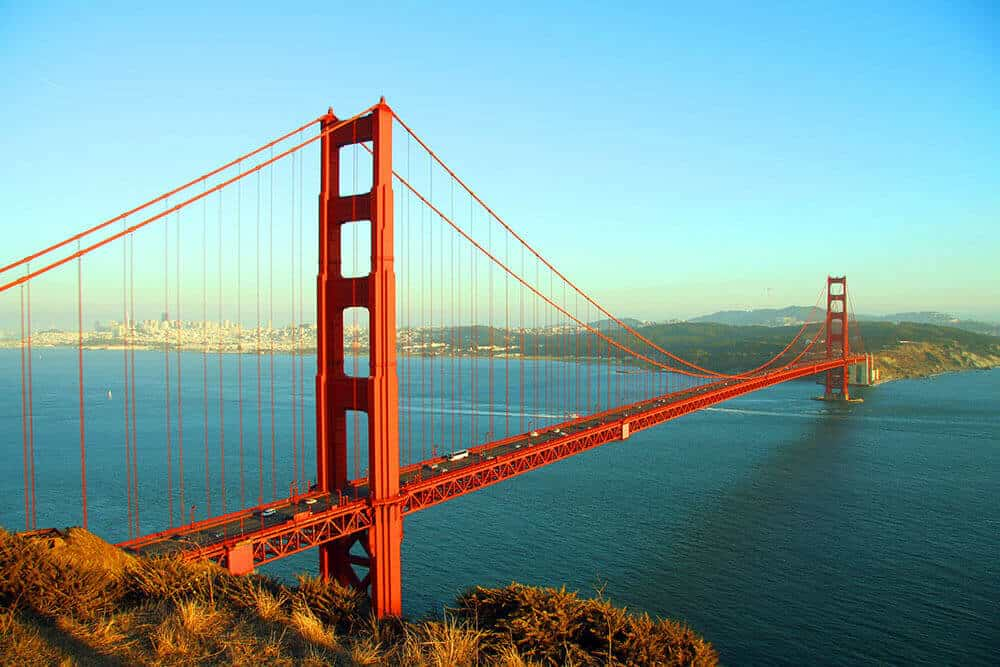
column 357, row 442
column 356, row 169
column 356, row 341
column 356, row 249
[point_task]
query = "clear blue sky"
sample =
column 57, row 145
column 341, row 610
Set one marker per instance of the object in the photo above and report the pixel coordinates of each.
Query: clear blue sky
column 672, row 160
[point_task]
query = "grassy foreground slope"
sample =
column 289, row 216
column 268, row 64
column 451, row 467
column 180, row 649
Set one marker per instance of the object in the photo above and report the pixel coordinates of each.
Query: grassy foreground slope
column 73, row 599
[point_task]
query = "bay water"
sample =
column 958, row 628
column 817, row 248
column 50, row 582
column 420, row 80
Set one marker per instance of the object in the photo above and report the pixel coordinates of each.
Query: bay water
column 785, row 530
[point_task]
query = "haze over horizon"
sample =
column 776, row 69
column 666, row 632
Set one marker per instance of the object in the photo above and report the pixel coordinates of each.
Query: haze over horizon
column 672, row 161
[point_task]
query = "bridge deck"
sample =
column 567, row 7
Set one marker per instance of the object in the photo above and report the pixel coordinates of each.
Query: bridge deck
column 309, row 519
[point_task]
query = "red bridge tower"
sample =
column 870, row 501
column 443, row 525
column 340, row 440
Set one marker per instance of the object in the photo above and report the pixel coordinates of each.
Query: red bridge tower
column 837, row 341
column 377, row 394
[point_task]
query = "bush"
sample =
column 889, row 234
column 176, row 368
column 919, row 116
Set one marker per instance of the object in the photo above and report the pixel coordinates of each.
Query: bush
column 557, row 627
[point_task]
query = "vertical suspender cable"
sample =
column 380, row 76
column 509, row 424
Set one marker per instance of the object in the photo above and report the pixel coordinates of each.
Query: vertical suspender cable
column 550, row 340
column 135, row 427
column 166, row 362
column 490, row 324
column 408, row 289
column 474, row 338
column 444, row 389
column 79, row 367
column 424, row 320
column 177, row 351
column 462, row 348
column 453, row 322
column 441, row 309
column 239, row 327
column 31, row 422
column 607, row 372
column 294, row 350
column 562, row 386
column 125, row 385
column 506, row 339
column 270, row 323
column 25, row 416
column 302, row 367
column 520, row 349
column 535, row 330
column 431, row 416
column 589, row 362
column 260, row 406
column 222, row 415
column 577, row 407
column 616, row 377
column 204, row 346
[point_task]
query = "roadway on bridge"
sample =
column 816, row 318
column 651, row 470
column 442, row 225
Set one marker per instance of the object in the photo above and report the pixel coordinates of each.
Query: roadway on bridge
column 233, row 527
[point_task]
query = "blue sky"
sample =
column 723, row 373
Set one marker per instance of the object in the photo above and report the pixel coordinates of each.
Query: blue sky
column 672, row 160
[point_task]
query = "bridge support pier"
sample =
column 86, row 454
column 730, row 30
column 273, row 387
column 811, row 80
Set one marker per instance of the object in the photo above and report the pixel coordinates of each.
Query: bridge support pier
column 377, row 394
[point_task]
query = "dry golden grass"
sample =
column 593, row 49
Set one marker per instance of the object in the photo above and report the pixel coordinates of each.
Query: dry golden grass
column 72, row 599
column 21, row 644
column 105, row 636
column 442, row 644
column 82, row 549
column 334, row 604
column 270, row 605
column 366, row 651
column 311, row 628
column 557, row 627
column 199, row 618
column 169, row 641
column 508, row 656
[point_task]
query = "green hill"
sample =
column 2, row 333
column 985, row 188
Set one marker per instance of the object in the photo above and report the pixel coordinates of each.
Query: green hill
column 903, row 349
column 796, row 315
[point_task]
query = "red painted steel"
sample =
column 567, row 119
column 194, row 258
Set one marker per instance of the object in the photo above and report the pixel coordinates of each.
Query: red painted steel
column 299, row 534
column 366, row 514
column 30, row 275
column 350, row 519
column 837, row 337
column 166, row 195
column 239, row 558
column 423, row 494
column 378, row 394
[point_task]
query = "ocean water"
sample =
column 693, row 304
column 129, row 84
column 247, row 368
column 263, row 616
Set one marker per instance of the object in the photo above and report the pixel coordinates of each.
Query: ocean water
column 786, row 530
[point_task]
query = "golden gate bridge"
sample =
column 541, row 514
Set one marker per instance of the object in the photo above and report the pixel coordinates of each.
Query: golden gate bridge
column 450, row 354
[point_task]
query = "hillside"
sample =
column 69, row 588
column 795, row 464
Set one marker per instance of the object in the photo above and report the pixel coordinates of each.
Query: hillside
column 901, row 350
column 729, row 348
column 796, row 315
column 73, row 599
column 918, row 350
column 767, row 317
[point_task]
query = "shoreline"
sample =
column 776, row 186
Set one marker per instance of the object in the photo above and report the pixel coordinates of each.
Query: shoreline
column 883, row 356
column 930, row 376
